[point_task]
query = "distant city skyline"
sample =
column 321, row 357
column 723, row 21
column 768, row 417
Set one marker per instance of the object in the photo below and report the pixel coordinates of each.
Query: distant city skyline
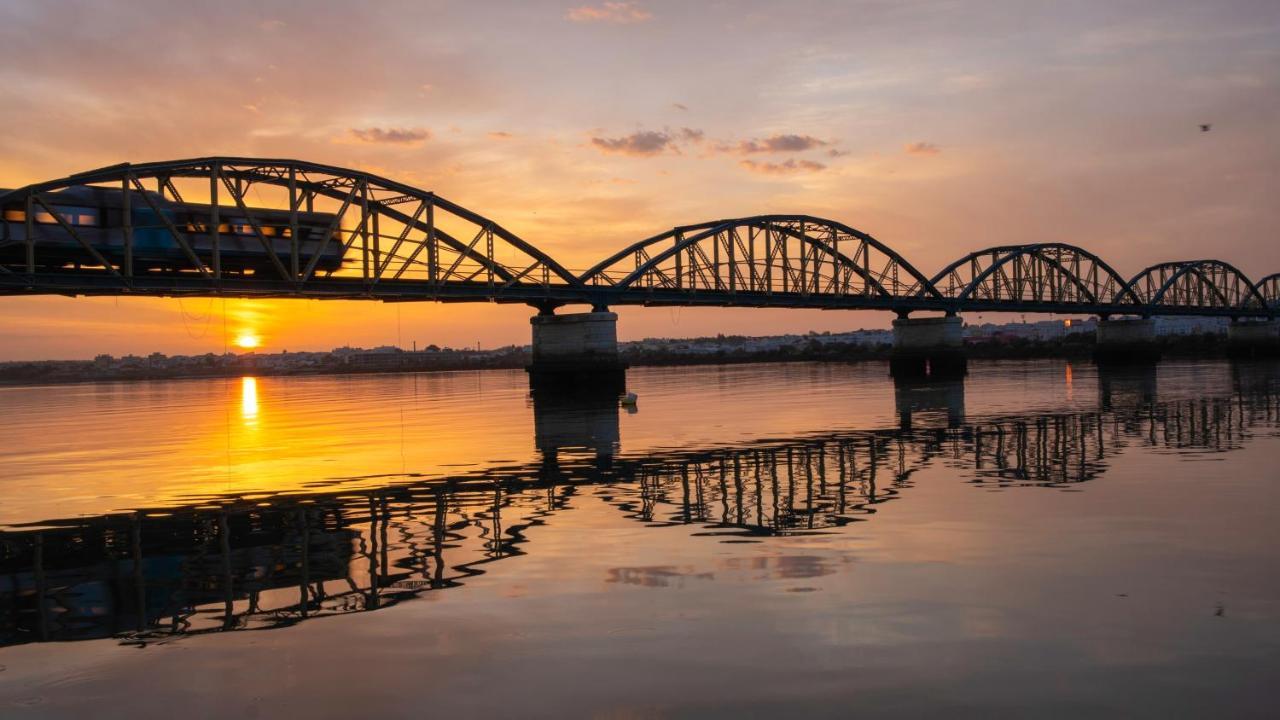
column 939, row 128
column 1010, row 326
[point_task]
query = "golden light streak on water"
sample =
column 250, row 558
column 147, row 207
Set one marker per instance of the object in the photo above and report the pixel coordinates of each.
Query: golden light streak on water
column 249, row 400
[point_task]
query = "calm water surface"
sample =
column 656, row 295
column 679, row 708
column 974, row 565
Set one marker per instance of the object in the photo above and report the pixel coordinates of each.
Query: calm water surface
column 759, row 540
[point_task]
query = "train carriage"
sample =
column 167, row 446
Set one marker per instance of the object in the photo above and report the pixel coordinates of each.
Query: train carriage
column 96, row 215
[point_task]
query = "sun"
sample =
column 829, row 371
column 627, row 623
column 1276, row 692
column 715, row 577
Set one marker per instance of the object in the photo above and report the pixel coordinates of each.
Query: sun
column 248, row 340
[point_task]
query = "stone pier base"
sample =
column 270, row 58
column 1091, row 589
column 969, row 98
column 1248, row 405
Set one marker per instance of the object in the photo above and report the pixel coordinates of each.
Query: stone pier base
column 928, row 347
column 577, row 350
column 1126, row 341
column 1253, row 339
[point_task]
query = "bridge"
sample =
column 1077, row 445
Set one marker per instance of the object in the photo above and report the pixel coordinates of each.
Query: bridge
column 245, row 227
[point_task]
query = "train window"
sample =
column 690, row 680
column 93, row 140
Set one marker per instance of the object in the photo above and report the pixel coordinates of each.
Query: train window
column 244, row 228
column 237, row 228
column 80, row 216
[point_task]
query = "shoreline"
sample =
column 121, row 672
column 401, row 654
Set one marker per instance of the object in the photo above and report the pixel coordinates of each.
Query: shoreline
column 1077, row 348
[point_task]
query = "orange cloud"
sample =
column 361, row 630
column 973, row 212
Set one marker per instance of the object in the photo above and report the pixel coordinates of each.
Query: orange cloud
column 789, row 167
column 391, row 136
column 500, row 135
column 647, row 143
column 787, row 142
column 921, row 148
column 617, row 13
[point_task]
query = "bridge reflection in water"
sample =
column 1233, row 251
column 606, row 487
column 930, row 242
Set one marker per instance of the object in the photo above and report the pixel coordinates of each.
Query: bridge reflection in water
column 246, row 564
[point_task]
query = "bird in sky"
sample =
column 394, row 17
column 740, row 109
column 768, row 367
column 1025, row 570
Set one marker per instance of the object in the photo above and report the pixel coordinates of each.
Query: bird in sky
column 1204, row 127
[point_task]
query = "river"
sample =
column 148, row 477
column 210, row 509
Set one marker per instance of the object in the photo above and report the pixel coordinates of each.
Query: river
column 789, row 539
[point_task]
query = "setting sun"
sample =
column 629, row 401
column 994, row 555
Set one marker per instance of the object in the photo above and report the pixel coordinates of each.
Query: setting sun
column 248, row 340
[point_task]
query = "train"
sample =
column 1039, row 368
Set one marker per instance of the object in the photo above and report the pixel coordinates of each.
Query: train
column 97, row 216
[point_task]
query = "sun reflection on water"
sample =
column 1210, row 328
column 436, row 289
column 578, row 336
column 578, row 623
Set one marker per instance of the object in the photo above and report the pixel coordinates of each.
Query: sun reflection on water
column 249, row 400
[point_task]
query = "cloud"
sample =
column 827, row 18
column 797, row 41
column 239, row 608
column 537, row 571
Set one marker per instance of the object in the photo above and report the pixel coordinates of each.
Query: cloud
column 680, row 106
column 391, row 136
column 921, row 148
column 642, row 143
column 500, row 135
column 691, row 135
column 837, row 152
column 617, row 13
column 782, row 143
column 783, row 168
column 647, row 143
column 271, row 25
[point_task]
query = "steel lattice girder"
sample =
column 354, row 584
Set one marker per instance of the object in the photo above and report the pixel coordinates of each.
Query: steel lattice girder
column 404, row 253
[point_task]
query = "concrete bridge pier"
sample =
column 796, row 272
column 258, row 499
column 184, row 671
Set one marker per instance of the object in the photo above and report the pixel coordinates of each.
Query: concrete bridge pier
column 576, row 350
column 1126, row 341
column 930, row 347
column 1253, row 338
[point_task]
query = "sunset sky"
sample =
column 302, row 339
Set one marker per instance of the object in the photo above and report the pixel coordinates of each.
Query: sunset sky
column 938, row 127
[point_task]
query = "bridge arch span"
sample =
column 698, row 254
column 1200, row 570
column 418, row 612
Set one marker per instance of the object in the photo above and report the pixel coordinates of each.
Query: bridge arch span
column 1203, row 285
column 216, row 219
column 1050, row 273
column 791, row 255
column 1269, row 289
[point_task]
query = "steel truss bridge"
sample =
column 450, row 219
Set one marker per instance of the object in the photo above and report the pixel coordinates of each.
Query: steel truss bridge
column 399, row 243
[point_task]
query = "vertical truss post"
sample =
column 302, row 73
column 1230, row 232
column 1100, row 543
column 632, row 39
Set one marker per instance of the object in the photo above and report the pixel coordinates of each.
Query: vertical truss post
column 804, row 262
column 733, row 260
column 31, row 235
column 377, row 245
column 866, row 266
column 837, row 267
column 293, row 224
column 215, row 220
column 765, row 281
column 679, row 261
column 433, row 248
column 715, row 252
column 488, row 252
column 126, row 217
column 364, row 229
column 1019, row 280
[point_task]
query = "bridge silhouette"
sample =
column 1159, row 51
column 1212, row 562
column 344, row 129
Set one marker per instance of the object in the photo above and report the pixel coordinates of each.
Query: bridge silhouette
column 186, row 227
column 244, row 227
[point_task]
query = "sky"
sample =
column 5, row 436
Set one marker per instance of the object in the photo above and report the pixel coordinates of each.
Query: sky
column 938, row 127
